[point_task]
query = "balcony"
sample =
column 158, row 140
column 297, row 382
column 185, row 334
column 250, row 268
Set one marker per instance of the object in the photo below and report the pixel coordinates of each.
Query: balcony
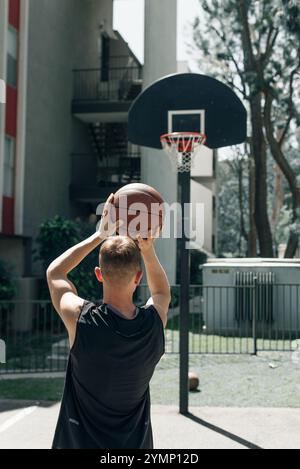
column 105, row 95
column 93, row 180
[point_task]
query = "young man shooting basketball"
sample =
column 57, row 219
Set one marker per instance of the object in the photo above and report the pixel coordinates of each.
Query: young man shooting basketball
column 114, row 346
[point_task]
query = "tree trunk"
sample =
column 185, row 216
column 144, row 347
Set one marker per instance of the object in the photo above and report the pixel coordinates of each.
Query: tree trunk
column 260, row 156
column 278, row 199
column 278, row 195
column 288, row 172
column 292, row 246
column 252, row 237
column 243, row 231
column 252, row 66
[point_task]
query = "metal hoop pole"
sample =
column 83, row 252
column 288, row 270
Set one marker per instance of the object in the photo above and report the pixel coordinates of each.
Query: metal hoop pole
column 175, row 145
column 185, row 182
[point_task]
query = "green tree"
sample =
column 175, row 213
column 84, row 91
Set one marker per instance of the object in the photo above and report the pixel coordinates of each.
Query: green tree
column 56, row 236
column 8, row 286
column 250, row 45
column 292, row 13
column 233, row 216
column 284, row 222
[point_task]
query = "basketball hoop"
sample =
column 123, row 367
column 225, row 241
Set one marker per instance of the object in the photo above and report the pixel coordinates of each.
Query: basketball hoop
column 182, row 147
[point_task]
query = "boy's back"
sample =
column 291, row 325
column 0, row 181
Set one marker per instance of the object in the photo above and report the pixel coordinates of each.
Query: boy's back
column 106, row 402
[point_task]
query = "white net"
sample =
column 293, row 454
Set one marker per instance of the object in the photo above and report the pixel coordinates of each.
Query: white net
column 182, row 149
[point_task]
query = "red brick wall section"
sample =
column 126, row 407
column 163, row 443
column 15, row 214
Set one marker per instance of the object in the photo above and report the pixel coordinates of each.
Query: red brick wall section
column 8, row 216
column 11, row 112
column 14, row 13
column 11, row 130
column 11, row 122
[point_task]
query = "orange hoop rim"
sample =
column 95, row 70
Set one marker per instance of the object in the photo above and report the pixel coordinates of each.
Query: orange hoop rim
column 183, row 142
column 166, row 138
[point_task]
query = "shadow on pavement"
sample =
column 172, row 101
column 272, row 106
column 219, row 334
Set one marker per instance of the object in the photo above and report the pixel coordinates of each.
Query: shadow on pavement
column 10, row 404
column 223, row 432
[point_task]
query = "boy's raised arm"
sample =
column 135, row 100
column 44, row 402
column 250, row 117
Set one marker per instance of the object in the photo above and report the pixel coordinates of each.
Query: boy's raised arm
column 157, row 279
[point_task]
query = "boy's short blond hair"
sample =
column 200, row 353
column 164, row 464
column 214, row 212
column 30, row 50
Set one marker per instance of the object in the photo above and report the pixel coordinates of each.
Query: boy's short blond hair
column 120, row 259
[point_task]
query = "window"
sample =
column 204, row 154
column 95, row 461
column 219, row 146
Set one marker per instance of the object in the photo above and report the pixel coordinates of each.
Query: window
column 8, row 190
column 12, row 54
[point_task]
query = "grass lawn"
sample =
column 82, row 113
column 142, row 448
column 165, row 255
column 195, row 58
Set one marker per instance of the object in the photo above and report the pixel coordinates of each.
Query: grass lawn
column 268, row 380
column 40, row 389
column 217, row 344
column 46, row 352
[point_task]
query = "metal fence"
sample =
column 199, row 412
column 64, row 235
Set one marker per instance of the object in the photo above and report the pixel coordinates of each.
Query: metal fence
column 86, row 169
column 223, row 320
column 34, row 335
column 111, row 84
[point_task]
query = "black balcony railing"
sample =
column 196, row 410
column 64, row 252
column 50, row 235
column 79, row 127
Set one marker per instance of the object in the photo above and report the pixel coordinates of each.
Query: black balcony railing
column 92, row 179
column 86, row 168
column 107, row 84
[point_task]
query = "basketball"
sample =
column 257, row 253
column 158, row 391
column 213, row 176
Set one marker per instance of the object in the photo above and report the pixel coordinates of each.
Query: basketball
column 193, row 381
column 140, row 208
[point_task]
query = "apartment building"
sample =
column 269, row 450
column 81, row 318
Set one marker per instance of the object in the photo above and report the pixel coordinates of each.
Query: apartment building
column 70, row 80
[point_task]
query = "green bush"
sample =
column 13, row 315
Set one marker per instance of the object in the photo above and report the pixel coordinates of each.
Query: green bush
column 8, row 286
column 55, row 237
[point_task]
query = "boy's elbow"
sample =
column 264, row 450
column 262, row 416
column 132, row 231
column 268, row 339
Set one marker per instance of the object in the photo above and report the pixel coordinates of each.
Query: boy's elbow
column 165, row 293
column 48, row 274
column 169, row 295
column 50, row 271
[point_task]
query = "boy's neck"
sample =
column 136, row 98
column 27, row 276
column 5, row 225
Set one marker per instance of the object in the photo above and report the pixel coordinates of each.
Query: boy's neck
column 122, row 301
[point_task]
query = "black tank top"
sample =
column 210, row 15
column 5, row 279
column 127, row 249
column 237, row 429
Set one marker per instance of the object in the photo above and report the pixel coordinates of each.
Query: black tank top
column 106, row 400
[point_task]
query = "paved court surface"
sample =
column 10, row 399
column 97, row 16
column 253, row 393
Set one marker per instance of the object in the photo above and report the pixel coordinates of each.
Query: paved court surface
column 31, row 425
